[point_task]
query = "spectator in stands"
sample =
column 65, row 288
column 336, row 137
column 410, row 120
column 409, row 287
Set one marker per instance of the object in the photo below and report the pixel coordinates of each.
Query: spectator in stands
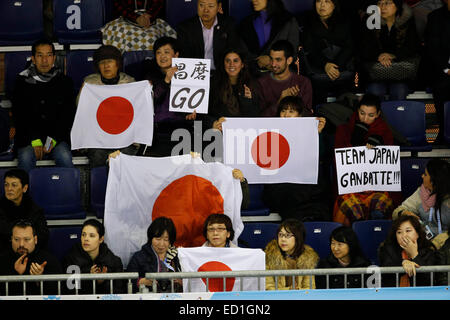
column 345, row 253
column 218, row 231
column 160, row 73
column 329, row 50
column 107, row 63
column 92, row 255
column 407, row 246
column 25, row 258
column 143, row 13
column 365, row 128
column 437, row 43
column 157, row 255
column 305, row 202
column 207, row 35
column 443, row 258
column 421, row 9
column 43, row 108
column 234, row 92
column 281, row 81
column 268, row 23
column 431, row 201
column 289, row 251
column 17, row 204
column 390, row 54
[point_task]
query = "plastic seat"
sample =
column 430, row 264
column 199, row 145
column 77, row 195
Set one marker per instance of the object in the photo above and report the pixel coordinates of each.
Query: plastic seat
column 239, row 9
column 99, row 178
column 370, row 234
column 15, row 62
column 179, row 10
column 78, row 22
column 80, row 63
column 132, row 63
column 21, row 22
column 447, row 122
column 411, row 174
column 256, row 206
column 57, row 191
column 257, row 235
column 62, row 239
column 408, row 118
column 297, row 7
column 318, row 236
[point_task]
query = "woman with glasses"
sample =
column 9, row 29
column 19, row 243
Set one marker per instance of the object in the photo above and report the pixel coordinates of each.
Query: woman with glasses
column 157, row 255
column 287, row 252
column 218, row 231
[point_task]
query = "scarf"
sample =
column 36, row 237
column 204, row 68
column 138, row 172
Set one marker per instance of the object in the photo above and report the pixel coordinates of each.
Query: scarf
column 111, row 81
column 428, row 199
column 32, row 76
column 404, row 279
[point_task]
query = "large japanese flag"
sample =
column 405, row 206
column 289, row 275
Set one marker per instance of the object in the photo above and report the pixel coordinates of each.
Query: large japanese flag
column 113, row 116
column 222, row 259
column 185, row 189
column 273, row 150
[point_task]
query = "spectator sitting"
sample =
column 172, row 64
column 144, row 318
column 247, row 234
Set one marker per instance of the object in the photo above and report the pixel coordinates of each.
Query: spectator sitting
column 43, row 107
column 390, row 54
column 407, row 246
column 329, row 50
column 25, row 258
column 92, row 255
column 431, row 201
column 157, row 255
column 289, row 251
column 218, row 231
column 17, row 204
column 268, row 23
column 143, row 13
column 365, row 128
column 345, row 253
column 207, row 34
column 107, row 63
column 281, row 82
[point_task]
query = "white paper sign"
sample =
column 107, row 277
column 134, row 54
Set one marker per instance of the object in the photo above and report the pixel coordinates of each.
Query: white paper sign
column 361, row 169
column 189, row 88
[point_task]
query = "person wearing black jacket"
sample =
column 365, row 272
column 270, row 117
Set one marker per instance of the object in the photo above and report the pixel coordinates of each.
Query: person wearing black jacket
column 17, row 204
column 345, row 253
column 92, row 255
column 407, row 246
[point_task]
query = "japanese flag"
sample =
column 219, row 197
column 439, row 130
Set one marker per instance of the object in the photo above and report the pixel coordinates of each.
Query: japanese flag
column 222, row 259
column 113, row 116
column 185, row 189
column 273, row 150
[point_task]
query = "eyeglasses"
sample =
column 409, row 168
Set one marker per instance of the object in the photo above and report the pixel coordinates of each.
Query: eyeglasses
column 285, row 235
column 212, row 230
column 384, row 3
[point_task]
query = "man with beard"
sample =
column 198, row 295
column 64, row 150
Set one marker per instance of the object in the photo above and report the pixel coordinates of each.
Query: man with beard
column 25, row 258
column 281, row 81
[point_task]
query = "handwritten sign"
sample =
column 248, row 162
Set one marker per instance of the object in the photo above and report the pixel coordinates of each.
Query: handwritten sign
column 361, row 169
column 189, row 89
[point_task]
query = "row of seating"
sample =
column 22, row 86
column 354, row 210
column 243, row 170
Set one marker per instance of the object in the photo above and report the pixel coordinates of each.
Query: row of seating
column 79, row 22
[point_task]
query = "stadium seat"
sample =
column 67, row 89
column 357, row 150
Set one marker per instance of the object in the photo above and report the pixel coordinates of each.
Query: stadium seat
column 239, row 9
column 132, row 63
column 370, row 234
column 79, row 65
column 297, row 7
column 179, row 10
column 99, row 178
column 447, row 122
column 57, row 191
column 78, row 22
column 318, row 236
column 257, row 235
column 408, row 118
column 21, row 22
column 62, row 239
column 256, row 206
column 411, row 174
column 15, row 62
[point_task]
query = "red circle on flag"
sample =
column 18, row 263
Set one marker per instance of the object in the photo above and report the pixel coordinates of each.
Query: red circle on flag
column 216, row 284
column 188, row 201
column 270, row 150
column 115, row 114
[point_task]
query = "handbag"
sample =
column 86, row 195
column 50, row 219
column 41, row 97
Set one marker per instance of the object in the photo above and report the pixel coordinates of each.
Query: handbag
column 398, row 71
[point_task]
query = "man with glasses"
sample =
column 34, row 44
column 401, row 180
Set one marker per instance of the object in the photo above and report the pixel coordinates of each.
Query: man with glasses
column 25, row 258
column 15, row 204
column 43, row 109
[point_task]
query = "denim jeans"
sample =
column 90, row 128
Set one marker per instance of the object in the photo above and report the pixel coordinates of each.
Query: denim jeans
column 397, row 90
column 61, row 154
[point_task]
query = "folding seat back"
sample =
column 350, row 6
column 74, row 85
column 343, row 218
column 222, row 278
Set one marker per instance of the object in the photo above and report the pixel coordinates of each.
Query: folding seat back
column 447, row 122
column 62, row 239
column 179, row 10
column 256, row 206
column 297, row 7
column 371, row 233
column 99, row 179
column 411, row 174
column 79, row 65
column 133, row 63
column 257, row 235
column 239, row 9
column 318, row 236
column 15, row 62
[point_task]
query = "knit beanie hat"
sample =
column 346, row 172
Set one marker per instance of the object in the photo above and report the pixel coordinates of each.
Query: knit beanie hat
column 107, row 52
